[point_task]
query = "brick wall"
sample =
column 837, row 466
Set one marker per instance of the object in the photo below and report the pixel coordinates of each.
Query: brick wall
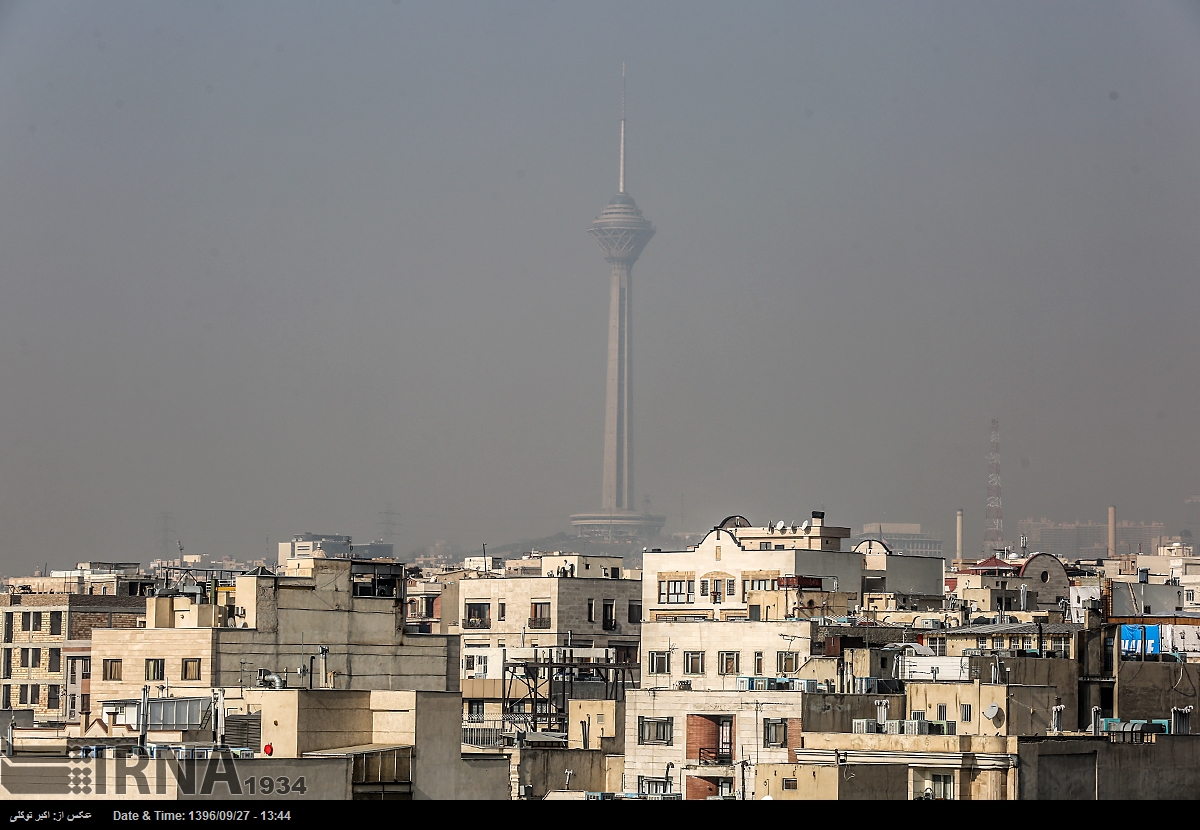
column 81, row 622
column 702, row 732
column 698, row 789
column 795, row 725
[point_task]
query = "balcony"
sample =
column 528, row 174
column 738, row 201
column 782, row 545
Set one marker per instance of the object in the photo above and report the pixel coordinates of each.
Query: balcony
column 714, row 756
column 477, row 623
column 536, row 623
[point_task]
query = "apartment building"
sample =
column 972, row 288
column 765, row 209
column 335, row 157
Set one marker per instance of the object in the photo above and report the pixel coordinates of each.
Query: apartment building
column 99, row 578
column 46, row 658
column 573, row 611
column 320, row 623
column 1039, row 583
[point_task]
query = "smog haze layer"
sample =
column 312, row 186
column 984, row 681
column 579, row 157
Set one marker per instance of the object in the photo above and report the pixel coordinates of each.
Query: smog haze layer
column 270, row 267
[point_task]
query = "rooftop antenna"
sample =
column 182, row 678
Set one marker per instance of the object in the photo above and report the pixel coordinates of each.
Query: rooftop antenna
column 621, row 175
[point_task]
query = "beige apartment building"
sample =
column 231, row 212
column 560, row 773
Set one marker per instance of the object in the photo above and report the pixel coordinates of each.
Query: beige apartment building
column 541, row 611
column 322, row 623
column 45, row 664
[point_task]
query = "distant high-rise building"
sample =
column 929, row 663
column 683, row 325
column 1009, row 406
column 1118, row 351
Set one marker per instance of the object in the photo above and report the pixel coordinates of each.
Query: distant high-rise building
column 1073, row 541
column 902, row 538
column 622, row 232
column 993, row 521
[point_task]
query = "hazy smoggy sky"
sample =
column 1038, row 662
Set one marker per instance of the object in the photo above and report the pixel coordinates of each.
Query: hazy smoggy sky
column 271, row 266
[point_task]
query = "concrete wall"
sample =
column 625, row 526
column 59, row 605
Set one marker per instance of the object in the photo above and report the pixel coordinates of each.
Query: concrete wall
column 1146, row 691
column 1062, row 675
column 835, row 713
column 1023, row 710
column 1085, row 768
column 545, row 770
column 909, row 574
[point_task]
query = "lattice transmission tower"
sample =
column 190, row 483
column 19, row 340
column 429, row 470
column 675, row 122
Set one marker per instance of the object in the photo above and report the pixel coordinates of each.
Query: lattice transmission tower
column 993, row 522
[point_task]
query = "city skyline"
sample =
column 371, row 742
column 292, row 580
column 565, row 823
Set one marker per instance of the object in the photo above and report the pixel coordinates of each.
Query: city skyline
column 271, row 267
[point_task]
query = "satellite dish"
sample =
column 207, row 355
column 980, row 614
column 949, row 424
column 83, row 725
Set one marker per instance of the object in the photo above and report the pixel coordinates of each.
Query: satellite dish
column 991, row 711
column 781, row 526
column 805, row 525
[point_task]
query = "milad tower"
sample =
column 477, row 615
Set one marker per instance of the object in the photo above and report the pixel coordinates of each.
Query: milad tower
column 622, row 232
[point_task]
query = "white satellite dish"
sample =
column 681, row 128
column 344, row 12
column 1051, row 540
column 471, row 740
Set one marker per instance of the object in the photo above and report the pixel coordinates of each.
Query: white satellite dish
column 805, row 525
column 781, row 526
column 991, row 711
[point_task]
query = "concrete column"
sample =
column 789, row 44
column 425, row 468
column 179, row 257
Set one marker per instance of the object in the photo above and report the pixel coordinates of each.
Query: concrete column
column 617, row 470
column 1112, row 531
column 958, row 535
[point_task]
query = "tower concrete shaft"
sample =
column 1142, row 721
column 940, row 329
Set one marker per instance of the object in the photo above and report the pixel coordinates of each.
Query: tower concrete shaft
column 993, row 529
column 618, row 491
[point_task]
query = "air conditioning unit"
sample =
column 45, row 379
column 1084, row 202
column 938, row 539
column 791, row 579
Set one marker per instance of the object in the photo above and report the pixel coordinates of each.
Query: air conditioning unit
column 916, row 727
column 942, row 727
column 864, row 726
column 895, row 727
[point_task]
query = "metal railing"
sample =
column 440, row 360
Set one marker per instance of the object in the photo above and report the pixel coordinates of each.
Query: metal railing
column 477, row 623
column 539, row 622
column 714, row 755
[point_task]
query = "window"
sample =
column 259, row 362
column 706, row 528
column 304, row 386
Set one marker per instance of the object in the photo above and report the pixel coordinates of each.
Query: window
column 965, row 713
column 85, row 668
column 774, row 732
column 52, row 699
column 540, row 610
column 730, row 587
column 35, row 694
column 6, row 669
column 475, row 711
column 609, row 616
column 56, row 622
column 191, row 669
column 981, row 642
column 789, row 784
column 676, row 591
column 55, row 660
column 635, row 612
column 479, row 615
column 940, row 785
column 717, row 592
column 660, row 662
column 23, row 697
column 727, row 662
column 997, row 642
column 112, row 669
column 500, row 612
column 938, row 644
column 656, row 730
column 156, row 669
column 758, row 663
column 693, row 662
column 24, row 658
column 755, row 613
column 85, row 703
column 6, row 697
column 591, row 610
column 787, row 662
column 37, row 621
column 942, row 714
column 764, row 545
column 26, row 621
column 653, row 786
column 1190, row 596
column 8, row 627
column 704, row 586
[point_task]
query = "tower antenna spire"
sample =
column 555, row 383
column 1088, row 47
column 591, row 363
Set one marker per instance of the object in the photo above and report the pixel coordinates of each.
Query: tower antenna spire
column 621, row 174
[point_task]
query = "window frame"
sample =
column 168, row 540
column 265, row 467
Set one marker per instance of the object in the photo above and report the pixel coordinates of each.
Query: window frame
column 156, row 669
column 189, row 663
column 657, row 660
column 775, row 733
column 723, row 660
column 689, row 660
column 112, row 670
column 656, row 731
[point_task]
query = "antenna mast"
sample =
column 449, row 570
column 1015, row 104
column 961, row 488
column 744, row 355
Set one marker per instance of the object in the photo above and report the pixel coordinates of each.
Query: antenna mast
column 993, row 525
column 621, row 175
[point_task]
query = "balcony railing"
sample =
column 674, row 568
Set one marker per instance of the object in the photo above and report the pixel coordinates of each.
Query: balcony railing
column 477, row 623
column 714, row 756
column 539, row 622
column 610, row 625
